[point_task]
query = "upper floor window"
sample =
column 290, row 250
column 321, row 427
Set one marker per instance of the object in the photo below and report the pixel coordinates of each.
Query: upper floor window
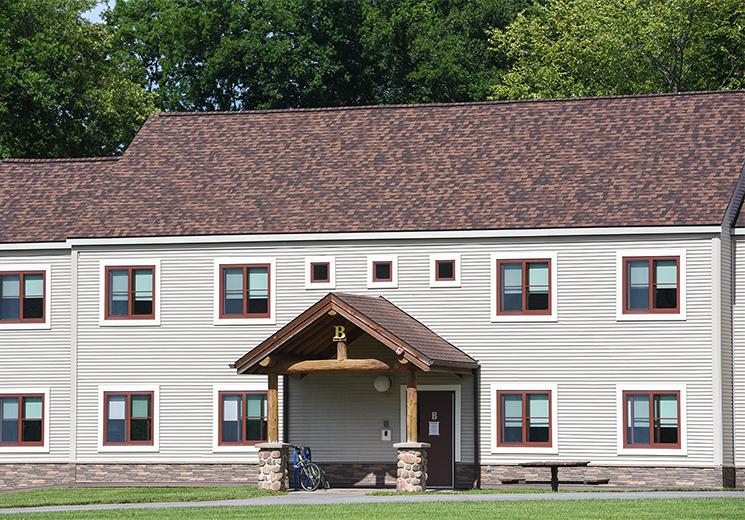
column 651, row 284
column 130, row 293
column 244, row 291
column 651, row 419
column 243, row 418
column 524, row 418
column 444, row 270
column 320, row 272
column 128, row 418
column 382, row 272
column 22, row 297
column 22, row 419
column 524, row 286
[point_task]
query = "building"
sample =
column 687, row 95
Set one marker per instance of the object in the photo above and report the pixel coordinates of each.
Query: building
column 557, row 279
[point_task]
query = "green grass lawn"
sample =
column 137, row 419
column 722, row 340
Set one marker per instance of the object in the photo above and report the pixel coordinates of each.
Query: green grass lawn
column 123, row 495
column 686, row 509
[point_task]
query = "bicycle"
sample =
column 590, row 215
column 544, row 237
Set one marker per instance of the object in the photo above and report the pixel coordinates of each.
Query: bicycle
column 311, row 475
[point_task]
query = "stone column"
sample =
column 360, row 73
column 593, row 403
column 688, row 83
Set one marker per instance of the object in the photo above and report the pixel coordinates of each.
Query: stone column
column 411, row 466
column 273, row 471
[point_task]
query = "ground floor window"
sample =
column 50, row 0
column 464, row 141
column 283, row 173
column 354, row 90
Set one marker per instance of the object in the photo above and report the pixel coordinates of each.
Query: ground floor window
column 651, row 419
column 243, row 418
column 22, row 420
column 128, row 418
column 524, row 418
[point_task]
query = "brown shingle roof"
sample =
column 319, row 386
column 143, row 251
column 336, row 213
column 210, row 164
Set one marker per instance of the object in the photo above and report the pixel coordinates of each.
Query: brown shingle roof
column 376, row 316
column 627, row 161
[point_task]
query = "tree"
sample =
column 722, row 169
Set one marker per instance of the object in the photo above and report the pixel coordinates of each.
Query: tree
column 240, row 54
column 567, row 48
column 61, row 93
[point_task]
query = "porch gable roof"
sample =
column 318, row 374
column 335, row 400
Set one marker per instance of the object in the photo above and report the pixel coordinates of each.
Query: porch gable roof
column 409, row 338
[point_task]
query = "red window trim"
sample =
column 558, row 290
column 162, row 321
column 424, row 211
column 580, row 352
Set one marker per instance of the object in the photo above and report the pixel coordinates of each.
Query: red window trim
column 652, row 285
column 245, row 314
column 438, row 278
column 652, row 444
column 524, row 311
column 375, row 278
column 244, row 404
column 127, row 419
column 525, row 417
column 21, row 411
column 130, row 297
column 22, row 293
column 313, row 278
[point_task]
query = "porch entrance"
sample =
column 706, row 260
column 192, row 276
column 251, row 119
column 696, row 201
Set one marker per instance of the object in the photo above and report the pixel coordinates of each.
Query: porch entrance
column 316, row 341
column 437, row 428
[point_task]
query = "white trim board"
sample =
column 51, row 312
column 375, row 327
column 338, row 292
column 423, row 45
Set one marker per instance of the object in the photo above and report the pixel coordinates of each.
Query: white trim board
column 46, row 420
column 155, row 389
column 458, row 411
column 30, row 266
column 682, row 420
column 124, row 262
column 394, row 235
column 493, row 422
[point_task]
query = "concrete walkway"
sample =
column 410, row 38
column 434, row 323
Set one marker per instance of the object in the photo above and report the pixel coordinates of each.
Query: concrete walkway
column 362, row 497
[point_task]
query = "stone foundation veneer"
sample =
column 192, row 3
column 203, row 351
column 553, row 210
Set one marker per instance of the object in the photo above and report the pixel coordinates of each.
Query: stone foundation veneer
column 273, row 473
column 411, row 466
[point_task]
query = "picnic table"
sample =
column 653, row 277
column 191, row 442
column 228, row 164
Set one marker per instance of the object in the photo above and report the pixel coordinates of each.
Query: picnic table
column 555, row 465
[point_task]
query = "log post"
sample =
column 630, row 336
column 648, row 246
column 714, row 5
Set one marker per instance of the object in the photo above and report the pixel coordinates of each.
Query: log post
column 411, row 407
column 273, row 404
column 341, row 350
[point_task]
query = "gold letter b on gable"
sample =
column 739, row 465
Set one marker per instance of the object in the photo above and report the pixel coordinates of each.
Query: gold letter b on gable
column 340, row 333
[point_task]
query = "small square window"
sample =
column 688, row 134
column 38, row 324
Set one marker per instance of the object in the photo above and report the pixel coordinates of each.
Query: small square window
column 382, row 271
column 320, row 272
column 445, row 270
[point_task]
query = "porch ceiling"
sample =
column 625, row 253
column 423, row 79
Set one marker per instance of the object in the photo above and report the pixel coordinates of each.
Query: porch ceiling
column 310, row 336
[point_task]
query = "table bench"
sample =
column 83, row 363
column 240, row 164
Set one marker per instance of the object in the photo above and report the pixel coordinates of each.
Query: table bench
column 555, row 465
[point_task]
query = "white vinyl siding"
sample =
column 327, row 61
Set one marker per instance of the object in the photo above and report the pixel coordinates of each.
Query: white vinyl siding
column 586, row 352
column 41, row 358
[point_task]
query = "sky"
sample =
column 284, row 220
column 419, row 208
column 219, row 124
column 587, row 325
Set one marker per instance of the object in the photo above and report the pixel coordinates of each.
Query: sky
column 94, row 15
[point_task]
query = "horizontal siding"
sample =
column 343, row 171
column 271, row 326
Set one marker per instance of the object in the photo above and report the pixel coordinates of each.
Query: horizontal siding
column 585, row 353
column 41, row 358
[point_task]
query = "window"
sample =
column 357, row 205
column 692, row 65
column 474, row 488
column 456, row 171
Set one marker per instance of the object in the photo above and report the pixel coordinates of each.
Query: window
column 320, row 272
column 382, row 272
column 524, row 286
column 444, row 270
column 22, row 420
column 651, row 419
column 651, row 285
column 245, row 291
column 22, row 297
column 243, row 418
column 524, row 418
column 128, row 418
column 130, row 293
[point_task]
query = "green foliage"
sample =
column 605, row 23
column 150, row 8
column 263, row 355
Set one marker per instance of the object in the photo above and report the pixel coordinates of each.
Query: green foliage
column 233, row 54
column 607, row 47
column 61, row 94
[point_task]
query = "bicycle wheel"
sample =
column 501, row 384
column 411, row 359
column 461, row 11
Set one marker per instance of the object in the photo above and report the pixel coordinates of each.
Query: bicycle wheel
column 310, row 477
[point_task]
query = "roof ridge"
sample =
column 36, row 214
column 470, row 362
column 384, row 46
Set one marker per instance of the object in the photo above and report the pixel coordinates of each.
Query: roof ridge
column 447, row 104
column 12, row 160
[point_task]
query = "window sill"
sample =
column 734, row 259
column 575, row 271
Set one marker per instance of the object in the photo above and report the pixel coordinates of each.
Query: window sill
column 129, row 323
column 245, row 321
column 672, row 452
column 24, row 449
column 444, row 283
column 319, row 285
column 128, row 449
column 235, row 449
column 500, row 450
column 382, row 285
column 25, row 326
column 651, row 317
column 517, row 318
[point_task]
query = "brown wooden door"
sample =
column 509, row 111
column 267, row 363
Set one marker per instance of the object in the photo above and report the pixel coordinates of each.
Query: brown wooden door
column 437, row 427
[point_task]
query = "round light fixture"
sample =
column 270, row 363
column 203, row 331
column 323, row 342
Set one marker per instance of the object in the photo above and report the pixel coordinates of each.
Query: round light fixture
column 382, row 383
